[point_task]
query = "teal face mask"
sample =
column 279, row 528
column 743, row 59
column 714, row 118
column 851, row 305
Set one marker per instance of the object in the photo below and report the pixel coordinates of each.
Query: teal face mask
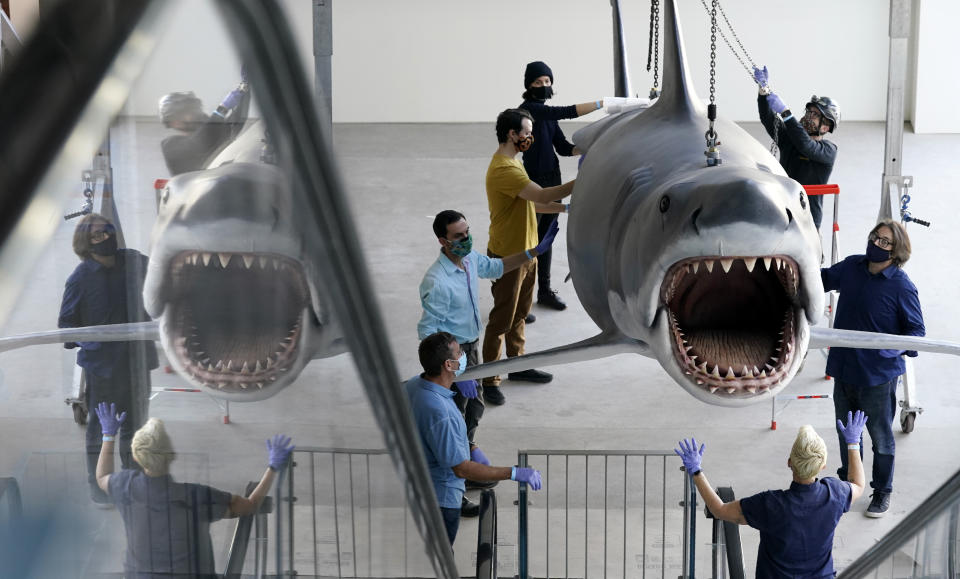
column 463, row 247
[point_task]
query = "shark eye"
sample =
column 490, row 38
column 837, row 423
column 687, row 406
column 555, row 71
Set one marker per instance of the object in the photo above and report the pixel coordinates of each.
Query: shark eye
column 803, row 200
column 664, row 204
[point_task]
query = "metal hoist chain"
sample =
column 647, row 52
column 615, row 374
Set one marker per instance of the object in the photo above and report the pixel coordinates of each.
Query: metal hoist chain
column 713, row 142
column 653, row 47
column 718, row 6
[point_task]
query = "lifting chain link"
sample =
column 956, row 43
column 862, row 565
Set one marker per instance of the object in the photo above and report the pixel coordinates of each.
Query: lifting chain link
column 713, row 143
column 653, row 47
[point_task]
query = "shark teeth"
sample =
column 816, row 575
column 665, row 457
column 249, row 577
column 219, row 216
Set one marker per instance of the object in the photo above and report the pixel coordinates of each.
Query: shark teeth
column 223, row 260
column 729, row 354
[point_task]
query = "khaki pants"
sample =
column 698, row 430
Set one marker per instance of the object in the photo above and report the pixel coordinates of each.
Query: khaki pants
column 512, row 299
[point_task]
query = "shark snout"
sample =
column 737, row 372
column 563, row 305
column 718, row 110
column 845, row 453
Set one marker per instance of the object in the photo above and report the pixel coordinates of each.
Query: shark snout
column 745, row 202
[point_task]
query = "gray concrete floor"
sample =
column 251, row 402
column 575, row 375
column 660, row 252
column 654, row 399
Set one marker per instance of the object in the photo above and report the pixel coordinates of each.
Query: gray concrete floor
column 398, row 177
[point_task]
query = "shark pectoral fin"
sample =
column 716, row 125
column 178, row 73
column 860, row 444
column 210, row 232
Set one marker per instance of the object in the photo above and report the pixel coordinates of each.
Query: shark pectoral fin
column 600, row 346
column 109, row 333
column 825, row 337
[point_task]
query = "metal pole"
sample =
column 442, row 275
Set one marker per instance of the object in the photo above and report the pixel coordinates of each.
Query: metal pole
column 896, row 80
column 322, row 54
column 522, row 540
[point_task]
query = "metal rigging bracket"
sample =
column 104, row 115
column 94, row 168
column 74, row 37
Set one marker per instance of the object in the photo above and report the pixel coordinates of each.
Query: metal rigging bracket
column 713, row 142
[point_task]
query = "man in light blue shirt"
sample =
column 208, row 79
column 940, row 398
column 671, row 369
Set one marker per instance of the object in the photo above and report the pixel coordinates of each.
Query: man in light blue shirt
column 448, row 294
column 450, row 456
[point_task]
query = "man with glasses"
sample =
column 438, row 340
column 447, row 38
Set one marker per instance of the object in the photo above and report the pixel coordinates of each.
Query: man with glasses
column 804, row 154
column 875, row 296
column 107, row 288
column 443, row 434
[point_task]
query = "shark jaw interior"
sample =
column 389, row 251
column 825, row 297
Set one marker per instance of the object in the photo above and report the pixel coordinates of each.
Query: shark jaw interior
column 733, row 321
column 237, row 318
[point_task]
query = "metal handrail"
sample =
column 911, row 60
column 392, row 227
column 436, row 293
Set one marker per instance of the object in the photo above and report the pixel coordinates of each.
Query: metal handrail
column 10, row 490
column 487, row 536
column 241, row 538
column 726, row 542
column 947, row 496
column 10, row 42
column 687, row 502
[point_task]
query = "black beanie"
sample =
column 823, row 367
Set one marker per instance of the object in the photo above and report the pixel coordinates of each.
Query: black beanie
column 535, row 70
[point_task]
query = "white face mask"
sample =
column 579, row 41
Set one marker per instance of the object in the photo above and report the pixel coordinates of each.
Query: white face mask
column 463, row 364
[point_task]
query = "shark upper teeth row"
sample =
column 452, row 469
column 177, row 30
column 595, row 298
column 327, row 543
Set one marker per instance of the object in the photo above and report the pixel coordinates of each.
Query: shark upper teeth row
column 783, row 267
column 222, row 260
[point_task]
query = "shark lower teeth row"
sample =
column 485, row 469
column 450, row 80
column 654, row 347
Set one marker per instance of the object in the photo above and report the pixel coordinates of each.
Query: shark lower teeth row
column 222, row 260
column 770, row 263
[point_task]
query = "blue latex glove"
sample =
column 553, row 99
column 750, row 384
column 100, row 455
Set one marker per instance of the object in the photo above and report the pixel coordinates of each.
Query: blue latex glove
column 689, row 454
column 528, row 475
column 776, row 104
column 548, row 237
column 476, row 455
column 854, row 428
column 232, row 100
column 110, row 421
column 761, row 76
column 468, row 388
column 279, row 449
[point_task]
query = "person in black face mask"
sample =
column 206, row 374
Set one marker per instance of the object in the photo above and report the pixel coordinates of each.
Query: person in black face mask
column 107, row 288
column 875, row 296
column 540, row 159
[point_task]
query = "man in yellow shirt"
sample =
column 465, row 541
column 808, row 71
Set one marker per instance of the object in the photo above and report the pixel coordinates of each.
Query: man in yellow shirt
column 514, row 201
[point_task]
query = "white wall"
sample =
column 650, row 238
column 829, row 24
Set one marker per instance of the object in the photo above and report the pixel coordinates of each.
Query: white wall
column 935, row 107
column 444, row 61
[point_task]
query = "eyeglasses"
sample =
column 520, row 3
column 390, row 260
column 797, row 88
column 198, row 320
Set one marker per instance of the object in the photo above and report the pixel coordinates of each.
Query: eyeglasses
column 881, row 242
column 98, row 236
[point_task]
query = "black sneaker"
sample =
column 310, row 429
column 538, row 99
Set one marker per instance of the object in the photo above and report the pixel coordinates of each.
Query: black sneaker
column 530, row 318
column 469, row 509
column 550, row 299
column 479, row 485
column 493, row 395
column 879, row 505
column 531, row 376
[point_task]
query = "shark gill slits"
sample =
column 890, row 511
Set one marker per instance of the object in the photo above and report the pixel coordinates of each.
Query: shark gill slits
column 720, row 312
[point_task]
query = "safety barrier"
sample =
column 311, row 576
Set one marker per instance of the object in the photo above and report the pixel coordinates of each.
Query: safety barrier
column 593, row 497
column 350, row 509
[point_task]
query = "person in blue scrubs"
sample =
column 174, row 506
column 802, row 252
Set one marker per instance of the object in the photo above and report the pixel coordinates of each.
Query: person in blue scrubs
column 796, row 525
column 876, row 295
column 443, row 433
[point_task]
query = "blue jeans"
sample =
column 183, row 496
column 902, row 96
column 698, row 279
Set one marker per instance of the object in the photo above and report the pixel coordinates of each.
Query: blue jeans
column 879, row 403
column 451, row 520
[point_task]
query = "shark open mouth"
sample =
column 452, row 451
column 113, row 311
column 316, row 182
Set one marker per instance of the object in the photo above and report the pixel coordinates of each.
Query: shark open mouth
column 236, row 318
column 732, row 321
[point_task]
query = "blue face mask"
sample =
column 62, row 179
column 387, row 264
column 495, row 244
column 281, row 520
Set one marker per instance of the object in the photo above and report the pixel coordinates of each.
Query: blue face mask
column 463, row 364
column 877, row 254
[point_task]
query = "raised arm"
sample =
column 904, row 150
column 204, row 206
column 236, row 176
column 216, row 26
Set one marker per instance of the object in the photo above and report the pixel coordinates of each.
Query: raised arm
column 538, row 194
column 278, row 451
column 691, row 457
column 851, row 433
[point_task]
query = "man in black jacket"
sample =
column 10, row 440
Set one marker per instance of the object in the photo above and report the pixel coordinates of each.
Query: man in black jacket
column 201, row 136
column 540, row 160
column 804, row 154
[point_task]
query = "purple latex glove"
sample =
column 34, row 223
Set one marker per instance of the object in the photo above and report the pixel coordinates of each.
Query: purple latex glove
column 476, row 455
column 468, row 388
column 854, row 428
column 110, row 421
column 689, row 454
column 232, row 100
column 548, row 237
column 279, row 449
column 776, row 104
column 524, row 474
column 761, row 76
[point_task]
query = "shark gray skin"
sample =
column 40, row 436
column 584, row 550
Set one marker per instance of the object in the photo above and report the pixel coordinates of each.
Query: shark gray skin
column 232, row 284
column 713, row 271
column 231, row 281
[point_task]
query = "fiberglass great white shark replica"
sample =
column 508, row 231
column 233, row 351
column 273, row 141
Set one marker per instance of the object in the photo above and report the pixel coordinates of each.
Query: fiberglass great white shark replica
column 232, row 283
column 712, row 270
